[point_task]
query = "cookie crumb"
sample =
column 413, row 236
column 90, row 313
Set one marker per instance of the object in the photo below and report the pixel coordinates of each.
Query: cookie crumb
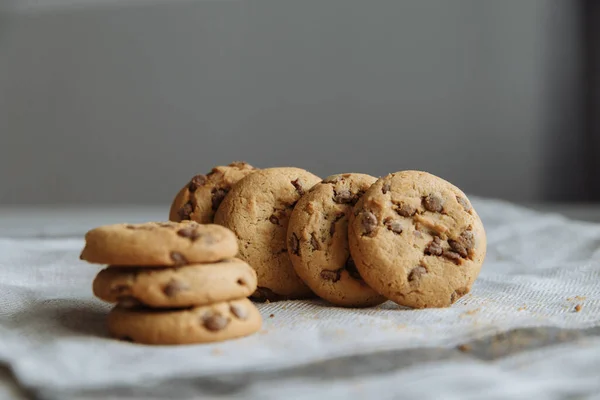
column 465, row 348
column 272, row 316
column 216, row 352
column 523, row 308
column 472, row 312
column 578, row 308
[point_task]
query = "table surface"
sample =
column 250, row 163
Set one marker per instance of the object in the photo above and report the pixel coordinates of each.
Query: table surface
column 18, row 221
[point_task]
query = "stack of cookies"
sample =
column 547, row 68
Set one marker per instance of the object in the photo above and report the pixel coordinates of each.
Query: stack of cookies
column 351, row 239
column 173, row 283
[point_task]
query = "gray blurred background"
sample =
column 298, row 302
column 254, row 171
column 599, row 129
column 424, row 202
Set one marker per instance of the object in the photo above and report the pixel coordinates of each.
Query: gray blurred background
column 123, row 101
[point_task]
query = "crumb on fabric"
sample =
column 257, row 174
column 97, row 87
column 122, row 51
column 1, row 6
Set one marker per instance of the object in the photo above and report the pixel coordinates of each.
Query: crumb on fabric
column 464, row 348
column 472, row 312
column 272, row 316
column 216, row 352
column 522, row 308
column 578, row 308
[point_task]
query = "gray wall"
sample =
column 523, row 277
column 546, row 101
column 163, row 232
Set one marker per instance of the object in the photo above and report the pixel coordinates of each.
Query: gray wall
column 108, row 103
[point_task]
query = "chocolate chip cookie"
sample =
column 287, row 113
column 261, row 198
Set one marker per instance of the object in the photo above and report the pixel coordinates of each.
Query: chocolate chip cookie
column 191, row 285
column 318, row 241
column 199, row 199
column 158, row 244
column 416, row 239
column 257, row 209
column 204, row 324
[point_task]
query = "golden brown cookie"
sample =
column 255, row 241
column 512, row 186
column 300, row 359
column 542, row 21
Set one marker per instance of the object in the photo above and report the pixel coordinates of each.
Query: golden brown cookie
column 191, row 285
column 158, row 244
column 199, row 199
column 257, row 209
column 204, row 324
column 318, row 241
column 416, row 239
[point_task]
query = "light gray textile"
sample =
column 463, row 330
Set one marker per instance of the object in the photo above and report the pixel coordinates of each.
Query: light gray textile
column 538, row 268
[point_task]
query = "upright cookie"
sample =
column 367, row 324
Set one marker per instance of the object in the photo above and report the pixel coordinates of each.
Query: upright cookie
column 318, row 241
column 204, row 324
column 257, row 209
column 158, row 244
column 199, row 199
column 192, row 285
column 417, row 240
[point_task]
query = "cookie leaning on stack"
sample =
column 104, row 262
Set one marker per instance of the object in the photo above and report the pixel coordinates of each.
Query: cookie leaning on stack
column 173, row 283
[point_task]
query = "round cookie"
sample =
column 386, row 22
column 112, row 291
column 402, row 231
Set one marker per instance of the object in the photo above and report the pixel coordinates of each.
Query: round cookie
column 257, row 209
column 191, row 285
column 158, row 244
column 416, row 239
column 318, row 241
column 199, row 199
column 204, row 324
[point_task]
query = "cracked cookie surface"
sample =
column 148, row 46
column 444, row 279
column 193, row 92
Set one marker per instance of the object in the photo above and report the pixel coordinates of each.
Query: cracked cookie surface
column 318, row 241
column 416, row 239
column 204, row 324
column 191, row 285
column 159, row 244
column 200, row 198
column 257, row 209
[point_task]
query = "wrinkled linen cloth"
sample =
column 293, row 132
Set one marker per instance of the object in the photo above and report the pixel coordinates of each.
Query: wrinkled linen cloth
column 540, row 269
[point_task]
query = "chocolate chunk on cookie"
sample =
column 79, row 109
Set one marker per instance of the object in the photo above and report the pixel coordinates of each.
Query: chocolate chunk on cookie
column 204, row 324
column 248, row 210
column 318, row 241
column 192, row 285
column 199, row 199
column 417, row 240
column 158, row 244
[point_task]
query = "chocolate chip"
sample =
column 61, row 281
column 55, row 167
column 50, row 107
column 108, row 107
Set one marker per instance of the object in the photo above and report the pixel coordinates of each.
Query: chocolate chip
column 185, row 211
column 129, row 302
column 273, row 219
column 433, row 203
column 350, row 266
column 342, row 197
column 189, row 233
column 217, row 197
column 393, row 225
column 405, row 210
column 434, row 248
column 385, row 188
column 458, row 247
column 463, row 244
column 332, row 276
column 126, row 339
column 314, row 242
column 178, row 258
column 265, row 294
column 332, row 226
column 416, row 273
column 369, row 222
column 464, row 203
column 239, row 311
column 298, row 186
column 196, row 182
column 468, row 239
column 357, row 197
column 457, row 294
column 214, row 321
column 174, row 287
column 295, row 244
column 452, row 256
